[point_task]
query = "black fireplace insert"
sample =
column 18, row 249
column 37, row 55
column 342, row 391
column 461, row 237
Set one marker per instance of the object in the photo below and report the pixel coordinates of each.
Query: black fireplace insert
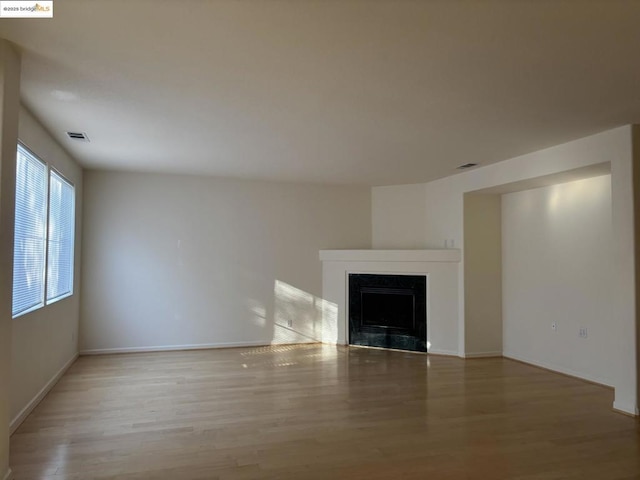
column 388, row 311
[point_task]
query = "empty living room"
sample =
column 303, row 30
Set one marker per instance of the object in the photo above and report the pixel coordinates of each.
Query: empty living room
column 319, row 239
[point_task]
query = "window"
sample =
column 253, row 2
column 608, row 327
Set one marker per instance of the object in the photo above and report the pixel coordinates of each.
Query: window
column 60, row 241
column 44, row 234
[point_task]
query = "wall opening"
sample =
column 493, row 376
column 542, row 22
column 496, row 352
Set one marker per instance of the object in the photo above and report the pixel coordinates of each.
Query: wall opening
column 537, row 272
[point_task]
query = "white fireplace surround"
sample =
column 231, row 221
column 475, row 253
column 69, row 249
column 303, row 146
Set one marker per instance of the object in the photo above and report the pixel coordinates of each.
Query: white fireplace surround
column 439, row 266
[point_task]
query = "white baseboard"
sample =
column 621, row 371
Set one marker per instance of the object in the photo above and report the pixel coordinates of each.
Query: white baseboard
column 555, row 368
column 624, row 408
column 24, row 413
column 449, row 353
column 170, row 348
column 9, row 475
column 481, row 354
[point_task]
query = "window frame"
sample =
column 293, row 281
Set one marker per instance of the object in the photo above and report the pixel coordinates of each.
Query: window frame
column 49, row 170
column 64, row 179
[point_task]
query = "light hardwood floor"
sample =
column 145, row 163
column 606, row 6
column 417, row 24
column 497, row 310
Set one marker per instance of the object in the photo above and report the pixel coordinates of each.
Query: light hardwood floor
column 320, row 412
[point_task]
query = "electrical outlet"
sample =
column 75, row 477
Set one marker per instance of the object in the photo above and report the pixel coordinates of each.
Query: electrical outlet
column 554, row 326
column 289, row 323
column 582, row 333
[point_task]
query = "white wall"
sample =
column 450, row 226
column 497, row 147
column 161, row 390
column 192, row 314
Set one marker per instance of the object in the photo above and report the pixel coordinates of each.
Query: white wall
column 398, row 217
column 182, row 260
column 46, row 340
column 9, row 112
column 482, row 275
column 444, row 219
column 557, row 267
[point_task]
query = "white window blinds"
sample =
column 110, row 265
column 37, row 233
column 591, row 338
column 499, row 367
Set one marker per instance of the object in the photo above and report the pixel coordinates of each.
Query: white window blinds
column 44, row 234
column 30, row 230
column 60, row 242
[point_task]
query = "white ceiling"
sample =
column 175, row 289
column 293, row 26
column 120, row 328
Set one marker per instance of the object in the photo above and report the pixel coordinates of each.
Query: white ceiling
column 371, row 92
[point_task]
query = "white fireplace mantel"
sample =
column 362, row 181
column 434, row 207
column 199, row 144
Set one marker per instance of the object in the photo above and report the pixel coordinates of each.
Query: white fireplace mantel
column 441, row 267
column 443, row 255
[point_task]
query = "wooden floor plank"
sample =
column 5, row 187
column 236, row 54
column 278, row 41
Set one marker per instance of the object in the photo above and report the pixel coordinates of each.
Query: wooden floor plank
column 322, row 412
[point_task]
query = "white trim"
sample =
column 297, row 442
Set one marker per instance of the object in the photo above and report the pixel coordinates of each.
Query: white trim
column 435, row 255
column 628, row 409
column 24, row 413
column 449, row 353
column 9, row 475
column 170, row 348
column 29, row 310
column 481, row 355
column 61, row 296
column 555, row 368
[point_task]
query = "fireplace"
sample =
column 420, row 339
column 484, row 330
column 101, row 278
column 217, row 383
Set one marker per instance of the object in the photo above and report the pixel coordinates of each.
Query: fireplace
column 388, row 311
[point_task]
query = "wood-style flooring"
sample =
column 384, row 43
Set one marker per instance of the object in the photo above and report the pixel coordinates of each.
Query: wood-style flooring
column 320, row 412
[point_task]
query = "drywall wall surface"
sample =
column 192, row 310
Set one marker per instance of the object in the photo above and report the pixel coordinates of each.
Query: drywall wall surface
column 9, row 112
column 444, row 217
column 635, row 132
column 444, row 197
column 398, row 217
column 624, row 312
column 482, row 275
column 45, row 340
column 183, row 261
column 557, row 277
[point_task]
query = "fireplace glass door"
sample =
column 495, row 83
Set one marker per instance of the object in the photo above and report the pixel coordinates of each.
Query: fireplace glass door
column 388, row 311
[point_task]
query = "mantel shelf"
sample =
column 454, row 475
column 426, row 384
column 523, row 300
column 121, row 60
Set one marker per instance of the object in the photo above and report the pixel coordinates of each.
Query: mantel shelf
column 435, row 255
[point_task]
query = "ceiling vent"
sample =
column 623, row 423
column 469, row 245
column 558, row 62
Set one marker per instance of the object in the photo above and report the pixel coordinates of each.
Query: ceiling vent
column 79, row 136
column 467, row 165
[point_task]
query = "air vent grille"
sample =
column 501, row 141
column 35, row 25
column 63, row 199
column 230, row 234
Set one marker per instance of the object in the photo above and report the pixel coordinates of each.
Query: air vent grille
column 78, row 136
column 467, row 165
